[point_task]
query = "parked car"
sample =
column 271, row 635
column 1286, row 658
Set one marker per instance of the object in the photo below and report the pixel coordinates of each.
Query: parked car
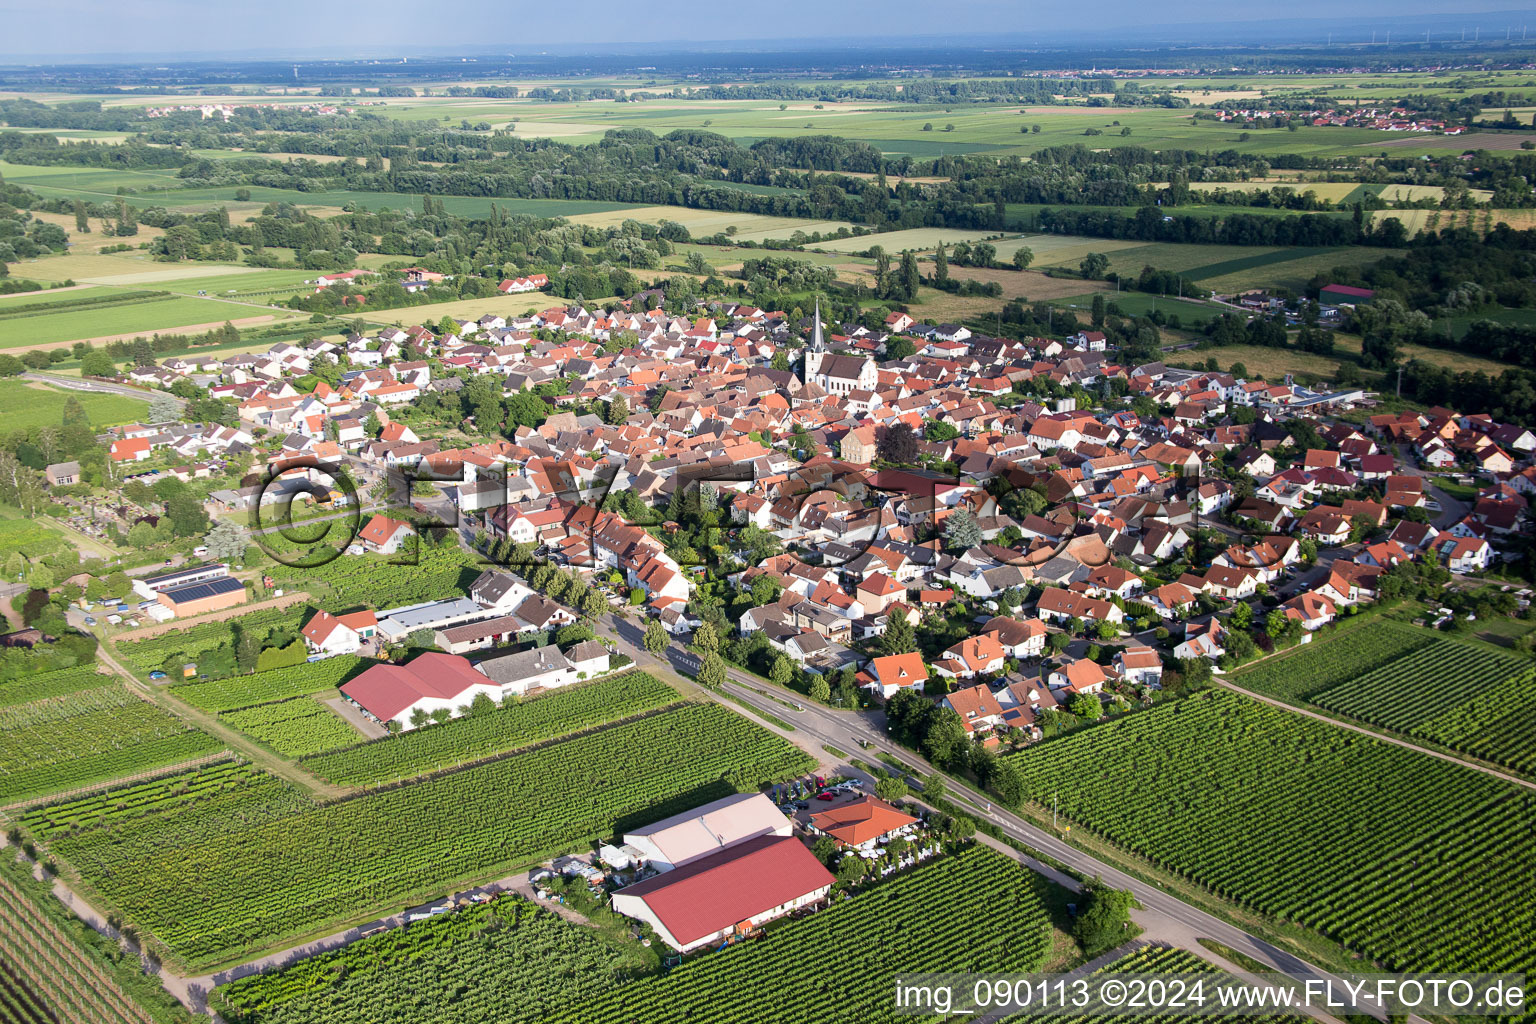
column 825, row 796
column 157, row 674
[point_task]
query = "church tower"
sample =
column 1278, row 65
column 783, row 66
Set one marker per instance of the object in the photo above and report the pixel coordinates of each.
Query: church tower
column 816, row 351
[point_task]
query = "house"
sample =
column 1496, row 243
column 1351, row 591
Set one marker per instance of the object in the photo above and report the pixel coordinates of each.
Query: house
column 1020, row 638
column 62, row 474
column 534, row 669
column 383, row 535
column 1058, row 605
column 430, row 683
column 1312, row 609
column 862, row 823
column 893, row 673
column 978, row 709
column 1139, row 665
column 1202, row 640
column 971, row 657
column 325, row 633
column 589, row 658
column 134, row 449
column 727, row 893
column 1464, row 554
column 1080, row 676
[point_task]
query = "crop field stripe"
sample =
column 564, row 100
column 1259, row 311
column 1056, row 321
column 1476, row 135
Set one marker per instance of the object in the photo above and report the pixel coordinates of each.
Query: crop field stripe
column 1242, row 263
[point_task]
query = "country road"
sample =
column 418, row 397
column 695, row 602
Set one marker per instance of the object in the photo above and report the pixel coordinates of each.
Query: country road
column 98, row 387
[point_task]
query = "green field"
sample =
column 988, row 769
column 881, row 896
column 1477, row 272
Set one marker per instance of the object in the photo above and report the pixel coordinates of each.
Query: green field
column 131, row 318
column 25, row 405
column 293, row 727
column 1412, row 862
column 255, row 867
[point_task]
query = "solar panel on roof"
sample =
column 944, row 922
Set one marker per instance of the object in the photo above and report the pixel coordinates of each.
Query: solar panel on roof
column 198, row 591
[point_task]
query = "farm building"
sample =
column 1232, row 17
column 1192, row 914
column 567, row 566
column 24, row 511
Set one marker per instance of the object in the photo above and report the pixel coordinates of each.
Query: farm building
column 339, row 634
column 206, row 596
column 728, row 892
column 1345, row 295
column 149, row 586
column 704, row 830
column 432, row 682
column 537, row 668
column 862, row 823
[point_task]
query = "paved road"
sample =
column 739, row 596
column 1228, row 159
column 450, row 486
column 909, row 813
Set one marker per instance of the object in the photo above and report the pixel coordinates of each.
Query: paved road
column 99, row 387
column 1163, row 916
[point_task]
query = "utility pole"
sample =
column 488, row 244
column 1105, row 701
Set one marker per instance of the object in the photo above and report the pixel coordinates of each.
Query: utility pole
column 1053, row 812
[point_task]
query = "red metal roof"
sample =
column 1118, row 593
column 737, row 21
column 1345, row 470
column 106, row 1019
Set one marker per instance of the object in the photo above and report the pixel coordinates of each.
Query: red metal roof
column 717, row 892
column 386, row 690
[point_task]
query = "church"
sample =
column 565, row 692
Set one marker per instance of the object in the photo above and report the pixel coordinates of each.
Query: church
column 834, row 374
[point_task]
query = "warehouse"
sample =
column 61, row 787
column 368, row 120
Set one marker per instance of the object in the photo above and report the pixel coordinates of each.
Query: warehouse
column 690, row 835
column 207, row 596
column 727, row 893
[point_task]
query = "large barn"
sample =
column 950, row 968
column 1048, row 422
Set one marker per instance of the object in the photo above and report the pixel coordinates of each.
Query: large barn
column 431, row 682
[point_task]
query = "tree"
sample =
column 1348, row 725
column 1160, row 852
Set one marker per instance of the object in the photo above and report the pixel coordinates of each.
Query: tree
column 186, row 515
column 851, row 869
column 1094, row 265
column 1086, row 706
column 947, row 742
column 225, row 542
column 899, row 636
column 898, row 445
column 593, row 604
column 910, row 278
column 712, row 672
column 618, row 410
column 656, row 638
column 482, row 704
column 706, row 640
column 163, row 408
column 890, row 789
column 1098, row 309
column 824, row 848
column 821, row 691
column 1023, row 256
column 781, row 671
column 1101, row 926
column 940, row 267
column 1242, row 615
column 961, row 531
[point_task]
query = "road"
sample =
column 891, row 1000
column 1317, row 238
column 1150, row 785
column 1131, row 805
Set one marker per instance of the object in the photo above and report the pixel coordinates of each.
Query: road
column 1164, row 917
column 99, row 387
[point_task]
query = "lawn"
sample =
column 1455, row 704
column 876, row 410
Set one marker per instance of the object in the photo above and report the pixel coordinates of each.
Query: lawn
column 25, row 405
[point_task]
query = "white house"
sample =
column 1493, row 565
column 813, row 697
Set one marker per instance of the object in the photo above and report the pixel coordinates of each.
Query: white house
column 339, row 634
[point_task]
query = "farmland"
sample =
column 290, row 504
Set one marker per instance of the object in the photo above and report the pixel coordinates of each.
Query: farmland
column 163, row 793
column 293, row 727
column 402, row 578
column 508, row 962
column 929, row 914
column 235, row 692
column 480, row 735
column 25, row 405
column 704, row 223
column 211, row 886
column 1399, row 680
column 92, row 734
column 1408, row 860
column 59, row 683
column 917, row 239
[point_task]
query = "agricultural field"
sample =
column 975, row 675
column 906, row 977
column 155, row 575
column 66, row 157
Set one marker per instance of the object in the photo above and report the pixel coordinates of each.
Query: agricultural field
column 1411, row 862
column 507, row 962
column 1467, row 697
column 375, row 581
column 59, row 683
column 293, row 727
column 928, row 913
column 192, row 643
column 89, row 735
column 897, row 242
column 109, row 322
column 272, row 686
column 26, row 404
column 47, row 977
column 1333, row 659
column 476, row 736
column 754, row 227
column 28, row 536
column 121, row 803
column 211, row 884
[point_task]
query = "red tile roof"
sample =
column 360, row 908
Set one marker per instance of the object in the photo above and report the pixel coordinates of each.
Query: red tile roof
column 386, row 690
column 717, row 892
column 864, row 819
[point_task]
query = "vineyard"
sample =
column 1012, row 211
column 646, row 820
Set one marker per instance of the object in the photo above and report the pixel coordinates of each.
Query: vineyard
column 1437, row 691
column 377, row 583
column 293, row 727
column 506, row 962
column 972, row 911
column 1163, row 960
column 235, row 692
column 1301, row 820
column 116, row 805
column 1326, row 663
column 212, row 886
column 45, row 977
column 25, row 689
column 476, row 736
column 89, row 735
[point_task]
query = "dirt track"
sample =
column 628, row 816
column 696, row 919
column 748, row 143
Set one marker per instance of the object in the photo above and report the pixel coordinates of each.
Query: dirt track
column 145, row 632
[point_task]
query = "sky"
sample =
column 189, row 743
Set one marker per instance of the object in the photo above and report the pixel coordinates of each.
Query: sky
column 170, row 28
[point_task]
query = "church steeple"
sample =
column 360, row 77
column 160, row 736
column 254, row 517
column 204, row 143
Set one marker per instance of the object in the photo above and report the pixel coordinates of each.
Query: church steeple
column 818, row 343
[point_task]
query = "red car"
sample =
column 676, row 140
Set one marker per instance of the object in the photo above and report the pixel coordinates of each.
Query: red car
column 825, row 796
